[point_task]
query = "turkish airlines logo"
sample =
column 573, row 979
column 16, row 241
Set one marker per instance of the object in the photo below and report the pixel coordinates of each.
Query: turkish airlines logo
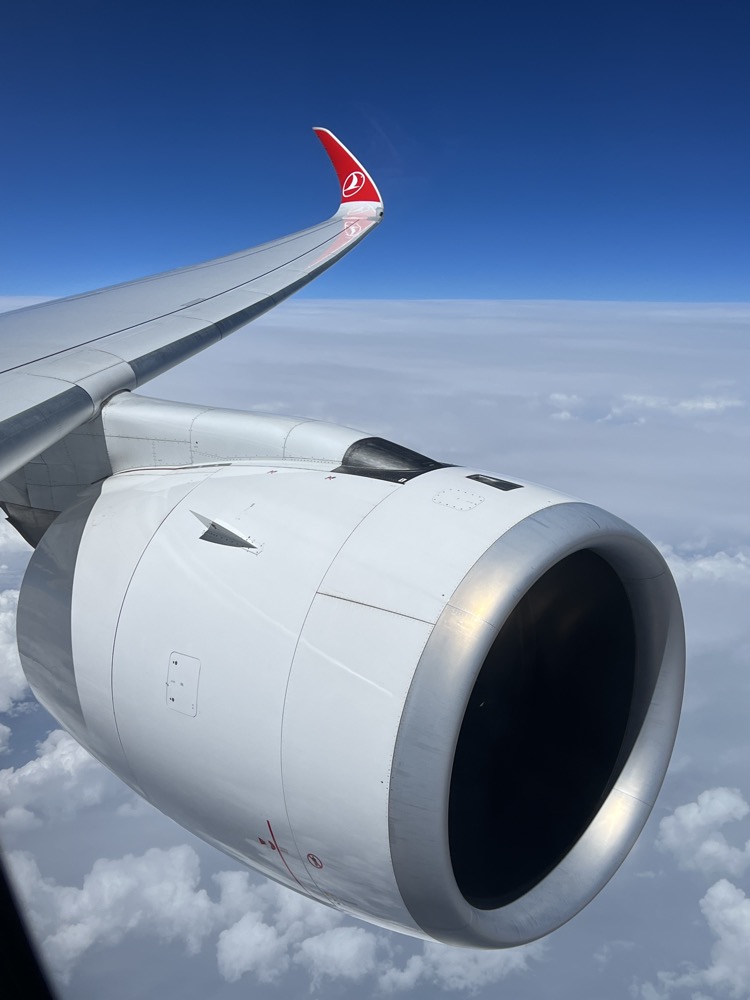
column 353, row 183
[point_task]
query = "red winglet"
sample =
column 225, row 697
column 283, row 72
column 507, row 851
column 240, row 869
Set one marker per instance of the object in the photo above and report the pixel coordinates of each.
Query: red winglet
column 356, row 183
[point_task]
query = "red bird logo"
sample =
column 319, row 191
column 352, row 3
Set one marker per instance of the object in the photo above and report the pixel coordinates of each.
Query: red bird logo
column 353, row 183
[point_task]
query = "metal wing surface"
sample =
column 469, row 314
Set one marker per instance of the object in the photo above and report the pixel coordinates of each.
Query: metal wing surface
column 61, row 360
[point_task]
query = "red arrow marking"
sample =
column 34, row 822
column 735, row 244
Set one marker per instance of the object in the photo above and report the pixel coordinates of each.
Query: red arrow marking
column 278, row 850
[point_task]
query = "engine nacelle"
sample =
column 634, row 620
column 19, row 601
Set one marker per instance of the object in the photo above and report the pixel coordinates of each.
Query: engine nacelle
column 441, row 701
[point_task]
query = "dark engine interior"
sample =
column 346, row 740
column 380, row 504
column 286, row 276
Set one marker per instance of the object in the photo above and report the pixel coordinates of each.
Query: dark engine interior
column 539, row 744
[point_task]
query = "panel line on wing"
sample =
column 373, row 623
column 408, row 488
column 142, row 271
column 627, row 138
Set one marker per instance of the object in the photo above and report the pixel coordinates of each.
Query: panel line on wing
column 292, row 286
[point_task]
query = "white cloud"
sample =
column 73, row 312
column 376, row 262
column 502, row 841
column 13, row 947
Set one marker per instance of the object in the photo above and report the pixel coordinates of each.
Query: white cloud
column 14, row 553
column 265, row 925
column 465, row 970
column 631, row 407
column 726, row 910
column 282, row 929
column 5, row 735
column 11, row 542
column 156, row 892
column 691, row 834
column 263, row 930
column 604, row 954
column 61, row 780
column 13, row 686
column 701, row 567
column 341, row 953
column 563, row 405
column 563, row 415
column 251, row 946
column 682, row 407
column 18, row 819
column 134, row 807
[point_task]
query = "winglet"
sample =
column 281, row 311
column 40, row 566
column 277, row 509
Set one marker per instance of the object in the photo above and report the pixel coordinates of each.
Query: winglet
column 357, row 187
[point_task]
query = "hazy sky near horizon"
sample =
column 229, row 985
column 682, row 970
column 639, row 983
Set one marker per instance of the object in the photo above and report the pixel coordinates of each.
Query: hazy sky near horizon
column 558, row 292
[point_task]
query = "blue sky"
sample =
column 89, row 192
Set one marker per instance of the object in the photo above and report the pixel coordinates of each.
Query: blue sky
column 537, row 150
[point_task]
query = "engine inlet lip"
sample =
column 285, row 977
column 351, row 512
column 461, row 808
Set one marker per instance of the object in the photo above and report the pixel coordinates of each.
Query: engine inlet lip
column 442, row 685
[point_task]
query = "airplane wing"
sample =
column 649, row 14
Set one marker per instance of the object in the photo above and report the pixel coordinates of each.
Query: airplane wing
column 61, row 360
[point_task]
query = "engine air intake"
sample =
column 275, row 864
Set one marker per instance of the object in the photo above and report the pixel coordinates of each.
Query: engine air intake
column 537, row 729
column 542, row 731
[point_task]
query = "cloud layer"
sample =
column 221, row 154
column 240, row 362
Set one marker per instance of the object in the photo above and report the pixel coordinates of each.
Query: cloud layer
column 13, row 686
column 641, row 408
column 59, row 782
column 693, row 835
column 260, row 931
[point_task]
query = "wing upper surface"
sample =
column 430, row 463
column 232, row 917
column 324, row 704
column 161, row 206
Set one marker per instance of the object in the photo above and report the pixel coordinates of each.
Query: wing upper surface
column 60, row 360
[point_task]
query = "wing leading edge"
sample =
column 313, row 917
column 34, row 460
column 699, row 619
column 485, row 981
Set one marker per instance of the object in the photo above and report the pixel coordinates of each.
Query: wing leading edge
column 61, row 360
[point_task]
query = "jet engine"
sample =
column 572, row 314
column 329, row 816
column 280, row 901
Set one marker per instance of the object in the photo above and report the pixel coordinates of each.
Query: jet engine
column 436, row 698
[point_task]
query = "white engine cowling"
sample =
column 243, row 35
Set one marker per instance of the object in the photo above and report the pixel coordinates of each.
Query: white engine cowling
column 443, row 702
